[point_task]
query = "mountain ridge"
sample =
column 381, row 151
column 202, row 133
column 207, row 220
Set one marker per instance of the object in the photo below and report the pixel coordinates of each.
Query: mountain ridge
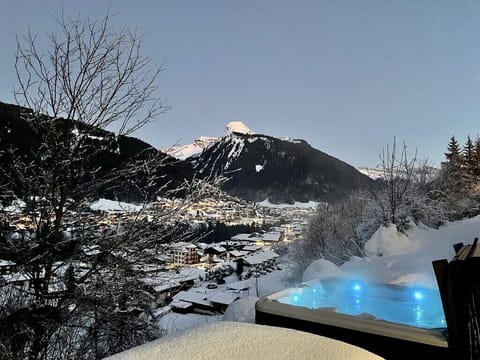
column 261, row 167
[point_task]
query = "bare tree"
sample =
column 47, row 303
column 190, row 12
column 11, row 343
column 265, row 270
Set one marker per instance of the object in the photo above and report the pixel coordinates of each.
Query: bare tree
column 405, row 193
column 336, row 232
column 85, row 298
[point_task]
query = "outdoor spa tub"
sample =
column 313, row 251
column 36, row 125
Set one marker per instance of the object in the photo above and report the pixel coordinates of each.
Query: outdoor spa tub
column 389, row 320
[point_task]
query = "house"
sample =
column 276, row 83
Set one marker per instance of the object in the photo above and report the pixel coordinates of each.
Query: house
column 199, row 301
column 272, row 237
column 267, row 238
column 166, row 285
column 259, row 261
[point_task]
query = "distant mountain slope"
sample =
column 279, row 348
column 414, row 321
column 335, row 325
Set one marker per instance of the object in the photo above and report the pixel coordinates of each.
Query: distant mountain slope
column 261, row 167
column 183, row 152
column 111, row 153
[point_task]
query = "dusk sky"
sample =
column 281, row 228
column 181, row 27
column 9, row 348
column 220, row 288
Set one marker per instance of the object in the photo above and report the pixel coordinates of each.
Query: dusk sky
column 346, row 76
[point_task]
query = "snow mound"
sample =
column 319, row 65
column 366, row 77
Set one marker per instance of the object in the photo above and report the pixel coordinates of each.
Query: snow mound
column 238, row 127
column 321, row 268
column 242, row 310
column 387, row 240
column 230, row 340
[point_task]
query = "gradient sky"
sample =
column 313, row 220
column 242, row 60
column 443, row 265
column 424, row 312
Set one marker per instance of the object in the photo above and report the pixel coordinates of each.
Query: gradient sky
column 347, row 76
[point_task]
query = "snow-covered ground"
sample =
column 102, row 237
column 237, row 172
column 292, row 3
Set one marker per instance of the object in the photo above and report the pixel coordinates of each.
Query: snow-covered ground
column 373, row 173
column 230, row 340
column 391, row 257
column 114, row 206
column 296, row 205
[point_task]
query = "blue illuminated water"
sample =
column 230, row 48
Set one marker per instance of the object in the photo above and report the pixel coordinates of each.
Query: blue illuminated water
column 417, row 307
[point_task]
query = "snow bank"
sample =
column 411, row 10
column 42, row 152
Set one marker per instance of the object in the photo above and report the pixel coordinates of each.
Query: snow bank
column 242, row 310
column 113, row 206
column 404, row 259
column 229, row 340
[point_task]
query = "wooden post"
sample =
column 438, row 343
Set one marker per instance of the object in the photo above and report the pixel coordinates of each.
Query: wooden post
column 459, row 285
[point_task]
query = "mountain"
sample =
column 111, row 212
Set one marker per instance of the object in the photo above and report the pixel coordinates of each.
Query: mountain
column 105, row 153
column 185, row 151
column 263, row 167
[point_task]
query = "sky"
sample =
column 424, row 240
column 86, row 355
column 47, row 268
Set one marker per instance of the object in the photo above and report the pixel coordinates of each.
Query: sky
column 346, row 76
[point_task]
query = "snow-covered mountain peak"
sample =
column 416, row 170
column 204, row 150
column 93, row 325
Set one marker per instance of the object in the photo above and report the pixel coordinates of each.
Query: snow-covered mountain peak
column 238, row 127
column 186, row 151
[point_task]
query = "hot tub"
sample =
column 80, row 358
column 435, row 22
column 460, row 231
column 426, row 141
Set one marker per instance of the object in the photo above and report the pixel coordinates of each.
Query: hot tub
column 392, row 321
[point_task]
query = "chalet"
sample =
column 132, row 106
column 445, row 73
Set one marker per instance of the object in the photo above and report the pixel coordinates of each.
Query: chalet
column 258, row 261
column 272, row 237
column 166, row 285
column 247, row 238
column 236, row 254
column 199, row 301
column 204, row 301
column 267, row 238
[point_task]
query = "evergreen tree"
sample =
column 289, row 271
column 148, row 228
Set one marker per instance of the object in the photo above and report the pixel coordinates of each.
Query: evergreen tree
column 477, row 158
column 454, row 154
column 469, row 163
column 452, row 171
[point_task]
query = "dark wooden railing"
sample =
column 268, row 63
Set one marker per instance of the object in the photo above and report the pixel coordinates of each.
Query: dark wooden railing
column 459, row 285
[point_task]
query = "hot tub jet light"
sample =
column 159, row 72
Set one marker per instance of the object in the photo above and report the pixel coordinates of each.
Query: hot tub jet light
column 357, row 287
column 418, row 295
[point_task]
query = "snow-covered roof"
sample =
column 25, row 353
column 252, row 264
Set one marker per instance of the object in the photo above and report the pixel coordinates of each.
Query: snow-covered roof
column 260, row 257
column 247, row 237
column 171, row 278
column 194, row 297
column 223, row 298
column 238, row 253
column 271, row 236
column 250, row 248
column 219, row 249
column 179, row 304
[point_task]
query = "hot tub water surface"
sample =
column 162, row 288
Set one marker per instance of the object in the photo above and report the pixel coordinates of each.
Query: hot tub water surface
column 417, row 307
